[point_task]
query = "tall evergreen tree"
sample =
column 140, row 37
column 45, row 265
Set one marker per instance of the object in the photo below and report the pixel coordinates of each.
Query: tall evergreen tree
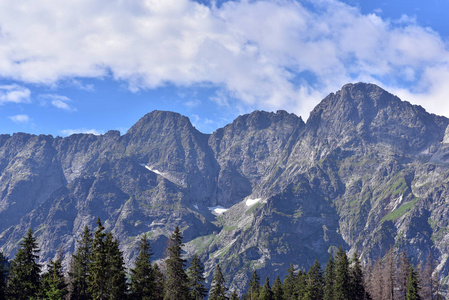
column 289, row 284
column 329, row 277
column 24, row 278
column 278, row 293
column 412, row 286
column 234, row 295
column 142, row 276
column 116, row 285
column 3, row 262
column 300, row 285
column 98, row 264
column 265, row 292
column 176, row 283
column 356, row 278
column 218, row 288
column 54, row 286
column 159, row 282
column 79, row 268
column 314, row 283
column 253, row 286
column 195, row 274
column 342, row 283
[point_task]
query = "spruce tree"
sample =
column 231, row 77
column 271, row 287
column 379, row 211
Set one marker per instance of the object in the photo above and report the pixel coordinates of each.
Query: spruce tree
column 314, row 283
column 3, row 262
column 142, row 276
column 342, row 281
column 412, row 286
column 356, row 278
column 79, row 268
column 24, row 278
column 265, row 292
column 253, row 286
column 300, row 284
column 329, row 277
column 159, row 282
column 218, row 288
column 278, row 293
column 195, row 274
column 289, row 284
column 54, row 286
column 176, row 283
column 98, row 264
column 116, row 285
column 234, row 295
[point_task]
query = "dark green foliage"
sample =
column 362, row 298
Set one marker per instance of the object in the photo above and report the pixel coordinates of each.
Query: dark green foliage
column 301, row 283
column 24, row 279
column 278, row 293
column 342, row 289
column 3, row 263
column 159, row 282
column 54, row 286
column 234, row 295
column 356, row 278
column 412, row 285
column 289, row 284
column 253, row 286
column 142, row 276
column 106, row 277
column 314, row 283
column 176, row 283
column 218, row 288
column 329, row 276
column 265, row 292
column 197, row 289
column 79, row 268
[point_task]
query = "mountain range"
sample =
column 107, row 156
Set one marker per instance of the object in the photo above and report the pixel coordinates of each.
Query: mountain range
column 367, row 171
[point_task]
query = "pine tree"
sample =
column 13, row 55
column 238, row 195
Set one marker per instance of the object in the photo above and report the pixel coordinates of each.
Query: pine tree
column 253, row 286
column 142, row 276
column 265, row 292
column 218, row 288
column 98, row 264
column 196, row 279
column 116, row 286
column 402, row 275
column 3, row 262
column 54, row 286
column 289, row 284
column 79, row 268
column 314, row 283
column 176, row 283
column 159, row 282
column 341, row 286
column 24, row 279
column 278, row 293
column 329, row 276
column 412, row 286
column 300, row 285
column 356, row 278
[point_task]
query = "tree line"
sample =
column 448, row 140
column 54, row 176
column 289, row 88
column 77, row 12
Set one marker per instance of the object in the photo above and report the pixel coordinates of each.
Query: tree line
column 97, row 271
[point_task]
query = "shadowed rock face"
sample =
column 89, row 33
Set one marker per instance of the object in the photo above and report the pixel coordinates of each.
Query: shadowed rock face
column 366, row 171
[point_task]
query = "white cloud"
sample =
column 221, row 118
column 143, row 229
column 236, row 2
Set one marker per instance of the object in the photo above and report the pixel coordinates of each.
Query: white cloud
column 20, row 118
column 67, row 132
column 57, row 101
column 14, row 93
column 254, row 51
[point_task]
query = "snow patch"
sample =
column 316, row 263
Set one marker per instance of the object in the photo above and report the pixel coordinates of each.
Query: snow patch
column 250, row 202
column 152, row 170
column 196, row 206
column 218, row 209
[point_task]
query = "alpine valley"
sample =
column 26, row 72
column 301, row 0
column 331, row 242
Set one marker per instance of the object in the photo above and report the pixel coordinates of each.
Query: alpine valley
column 366, row 171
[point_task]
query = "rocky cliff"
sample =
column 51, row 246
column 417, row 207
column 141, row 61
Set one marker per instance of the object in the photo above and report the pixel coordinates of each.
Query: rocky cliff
column 366, row 171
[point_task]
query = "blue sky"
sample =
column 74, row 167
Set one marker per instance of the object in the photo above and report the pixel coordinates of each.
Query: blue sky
column 95, row 65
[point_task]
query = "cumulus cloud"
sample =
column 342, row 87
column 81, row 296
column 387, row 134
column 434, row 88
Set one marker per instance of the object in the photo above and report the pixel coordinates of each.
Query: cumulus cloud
column 58, row 101
column 20, row 118
column 67, row 132
column 265, row 54
column 14, row 94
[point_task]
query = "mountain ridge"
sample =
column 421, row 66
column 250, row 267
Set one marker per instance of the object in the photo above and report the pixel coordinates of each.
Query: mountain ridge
column 364, row 171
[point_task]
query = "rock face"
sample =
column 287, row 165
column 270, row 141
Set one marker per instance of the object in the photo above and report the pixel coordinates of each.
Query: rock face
column 366, row 171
